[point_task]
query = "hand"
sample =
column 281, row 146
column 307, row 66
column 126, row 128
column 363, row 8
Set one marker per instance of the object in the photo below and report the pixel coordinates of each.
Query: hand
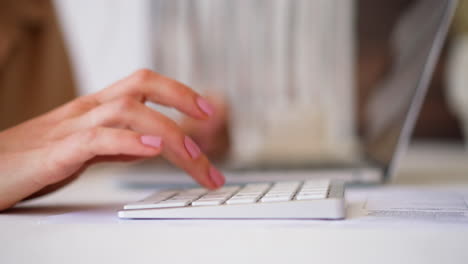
column 45, row 153
column 211, row 135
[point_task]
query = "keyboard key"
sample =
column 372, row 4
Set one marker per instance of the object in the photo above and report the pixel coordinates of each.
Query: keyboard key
column 183, row 195
column 285, row 187
column 281, row 192
column 225, row 190
column 177, row 199
column 244, row 200
column 312, row 191
column 276, row 198
column 159, row 195
column 194, row 191
column 312, row 196
column 286, row 184
column 203, row 202
column 256, row 186
column 149, row 201
column 316, row 183
column 249, row 194
column 171, row 203
column 186, row 197
column 216, row 197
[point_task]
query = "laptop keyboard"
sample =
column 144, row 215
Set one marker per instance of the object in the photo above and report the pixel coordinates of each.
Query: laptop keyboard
column 232, row 195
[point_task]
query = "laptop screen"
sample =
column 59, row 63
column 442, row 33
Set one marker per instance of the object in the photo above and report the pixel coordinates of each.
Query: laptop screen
column 395, row 102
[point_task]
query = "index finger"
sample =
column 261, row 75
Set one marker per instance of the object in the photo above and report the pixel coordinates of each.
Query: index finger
column 146, row 85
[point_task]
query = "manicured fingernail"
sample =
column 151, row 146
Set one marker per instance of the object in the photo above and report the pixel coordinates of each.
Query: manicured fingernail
column 216, row 177
column 206, row 107
column 192, row 147
column 151, row 141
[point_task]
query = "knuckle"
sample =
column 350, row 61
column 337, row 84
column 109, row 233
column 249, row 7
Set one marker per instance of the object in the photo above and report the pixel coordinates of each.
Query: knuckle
column 142, row 76
column 123, row 105
column 86, row 136
column 83, row 104
column 175, row 89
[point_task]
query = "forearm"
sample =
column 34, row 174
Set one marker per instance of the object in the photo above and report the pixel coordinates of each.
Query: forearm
column 17, row 178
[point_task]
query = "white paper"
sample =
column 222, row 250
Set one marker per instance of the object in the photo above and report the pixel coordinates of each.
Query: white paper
column 418, row 204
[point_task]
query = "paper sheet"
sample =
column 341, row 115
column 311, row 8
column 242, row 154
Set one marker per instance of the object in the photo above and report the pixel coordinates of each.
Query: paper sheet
column 429, row 204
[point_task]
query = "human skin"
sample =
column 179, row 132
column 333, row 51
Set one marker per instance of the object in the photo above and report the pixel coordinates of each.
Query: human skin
column 47, row 152
column 211, row 135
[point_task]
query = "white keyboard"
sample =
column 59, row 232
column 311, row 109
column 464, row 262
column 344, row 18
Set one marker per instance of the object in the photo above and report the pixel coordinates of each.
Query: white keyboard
column 315, row 199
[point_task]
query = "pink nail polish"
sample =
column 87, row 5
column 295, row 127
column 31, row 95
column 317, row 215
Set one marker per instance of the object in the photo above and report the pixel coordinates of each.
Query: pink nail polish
column 206, row 107
column 216, row 177
column 151, row 141
column 192, row 147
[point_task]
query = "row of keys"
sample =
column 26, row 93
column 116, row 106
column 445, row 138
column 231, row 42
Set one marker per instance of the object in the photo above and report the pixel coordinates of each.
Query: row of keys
column 183, row 198
column 152, row 200
column 216, row 197
column 230, row 195
column 249, row 194
column 170, row 198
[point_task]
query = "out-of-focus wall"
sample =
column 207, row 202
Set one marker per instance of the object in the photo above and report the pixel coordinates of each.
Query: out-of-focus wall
column 107, row 39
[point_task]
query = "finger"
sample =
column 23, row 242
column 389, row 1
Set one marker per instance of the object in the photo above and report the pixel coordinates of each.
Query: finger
column 211, row 135
column 178, row 148
column 69, row 154
column 147, row 85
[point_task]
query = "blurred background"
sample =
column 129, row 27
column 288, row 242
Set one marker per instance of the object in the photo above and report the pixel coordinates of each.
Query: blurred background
column 295, row 75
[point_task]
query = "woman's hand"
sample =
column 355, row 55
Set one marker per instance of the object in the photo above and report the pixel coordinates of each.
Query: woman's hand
column 46, row 152
column 211, row 135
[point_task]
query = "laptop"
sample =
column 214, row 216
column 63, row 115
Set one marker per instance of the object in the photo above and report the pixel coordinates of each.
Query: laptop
column 416, row 41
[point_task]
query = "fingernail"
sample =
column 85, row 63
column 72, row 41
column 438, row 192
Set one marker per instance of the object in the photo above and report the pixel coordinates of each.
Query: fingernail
column 192, row 147
column 206, row 107
column 216, row 177
column 151, row 141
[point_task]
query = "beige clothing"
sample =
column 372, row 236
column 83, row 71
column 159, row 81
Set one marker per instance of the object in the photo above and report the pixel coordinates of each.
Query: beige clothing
column 35, row 75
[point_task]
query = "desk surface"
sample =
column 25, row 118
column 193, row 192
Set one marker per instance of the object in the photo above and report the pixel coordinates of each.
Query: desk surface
column 78, row 225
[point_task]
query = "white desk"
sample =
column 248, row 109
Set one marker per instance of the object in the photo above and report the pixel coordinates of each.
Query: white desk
column 79, row 225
